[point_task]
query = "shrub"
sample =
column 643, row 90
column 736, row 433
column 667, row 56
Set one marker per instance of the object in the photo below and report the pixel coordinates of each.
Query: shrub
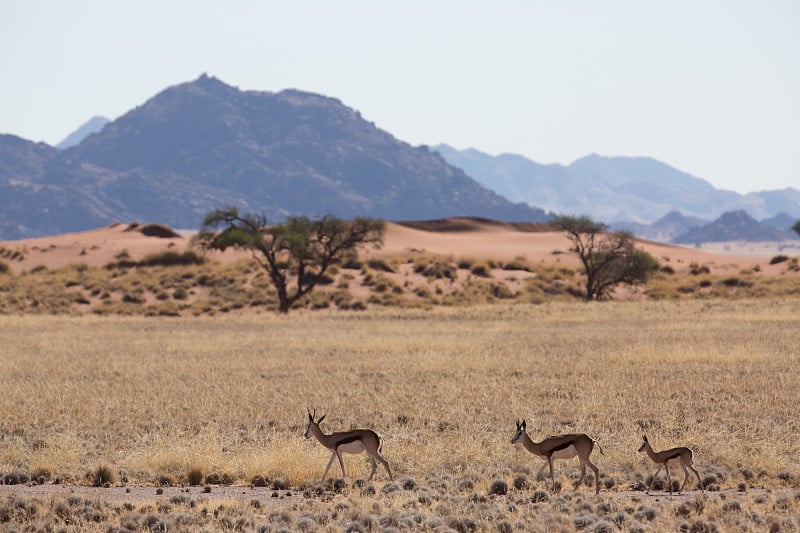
column 736, row 282
column 14, row 478
column 539, row 496
column 645, row 512
column 352, row 264
column 171, row 258
column 324, row 279
column 481, row 270
column 423, row 292
column 165, row 480
column 133, row 298
column 319, row 300
column 194, row 477
column 498, row 486
column 217, row 478
column 157, row 230
column 4, row 268
column 180, row 294
column 280, row 484
column 518, row 263
column 436, row 268
column 709, row 480
column 380, row 265
column 466, row 484
column 521, row 483
column 357, row 305
column 102, row 476
column 500, row 290
column 259, row 481
column 778, row 259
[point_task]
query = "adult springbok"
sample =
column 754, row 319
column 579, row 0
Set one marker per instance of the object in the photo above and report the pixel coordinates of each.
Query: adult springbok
column 354, row 441
column 681, row 455
column 561, row 447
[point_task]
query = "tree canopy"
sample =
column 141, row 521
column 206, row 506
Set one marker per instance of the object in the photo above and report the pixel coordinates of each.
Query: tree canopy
column 295, row 254
column 608, row 258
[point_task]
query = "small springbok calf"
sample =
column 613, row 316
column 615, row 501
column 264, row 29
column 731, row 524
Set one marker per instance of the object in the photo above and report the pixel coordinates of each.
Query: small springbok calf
column 682, row 456
column 354, row 441
column 561, row 447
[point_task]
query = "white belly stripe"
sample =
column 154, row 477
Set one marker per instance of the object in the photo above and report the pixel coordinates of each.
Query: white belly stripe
column 566, row 453
column 352, row 447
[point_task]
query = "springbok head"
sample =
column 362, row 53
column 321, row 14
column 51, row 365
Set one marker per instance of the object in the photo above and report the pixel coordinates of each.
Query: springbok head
column 520, row 431
column 312, row 422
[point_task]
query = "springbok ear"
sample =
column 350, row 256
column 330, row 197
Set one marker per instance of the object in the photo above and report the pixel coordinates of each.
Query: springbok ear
column 644, row 438
column 321, row 419
column 524, row 424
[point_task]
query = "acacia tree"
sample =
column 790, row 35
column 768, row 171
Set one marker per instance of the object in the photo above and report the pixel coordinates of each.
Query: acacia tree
column 608, row 258
column 295, row 254
column 796, row 227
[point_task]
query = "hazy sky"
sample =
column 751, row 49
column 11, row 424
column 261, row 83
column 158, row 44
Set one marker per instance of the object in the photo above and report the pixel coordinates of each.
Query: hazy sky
column 710, row 87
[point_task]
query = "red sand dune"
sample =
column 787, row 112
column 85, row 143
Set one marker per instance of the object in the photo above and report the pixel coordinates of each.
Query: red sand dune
column 455, row 237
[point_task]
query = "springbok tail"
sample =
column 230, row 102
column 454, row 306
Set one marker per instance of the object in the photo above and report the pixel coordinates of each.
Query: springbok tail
column 599, row 447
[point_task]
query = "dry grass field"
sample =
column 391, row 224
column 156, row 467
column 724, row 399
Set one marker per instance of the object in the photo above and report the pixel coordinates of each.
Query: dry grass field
column 217, row 404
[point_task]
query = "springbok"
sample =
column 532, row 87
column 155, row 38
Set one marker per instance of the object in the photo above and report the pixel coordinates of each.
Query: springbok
column 682, row 456
column 561, row 447
column 354, row 441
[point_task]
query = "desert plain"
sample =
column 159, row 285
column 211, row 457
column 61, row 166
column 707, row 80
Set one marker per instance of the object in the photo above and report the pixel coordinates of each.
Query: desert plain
column 142, row 397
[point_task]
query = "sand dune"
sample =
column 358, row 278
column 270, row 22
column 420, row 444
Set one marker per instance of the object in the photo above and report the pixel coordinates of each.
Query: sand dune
column 455, row 237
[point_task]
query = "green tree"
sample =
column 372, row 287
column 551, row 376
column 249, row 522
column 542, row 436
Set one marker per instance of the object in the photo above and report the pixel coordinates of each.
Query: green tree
column 796, row 227
column 295, row 254
column 608, row 258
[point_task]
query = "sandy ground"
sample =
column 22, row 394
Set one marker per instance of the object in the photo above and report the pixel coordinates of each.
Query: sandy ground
column 145, row 494
column 458, row 238
column 277, row 499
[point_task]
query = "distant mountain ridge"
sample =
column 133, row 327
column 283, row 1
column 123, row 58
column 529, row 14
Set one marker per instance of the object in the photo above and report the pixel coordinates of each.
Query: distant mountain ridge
column 93, row 125
column 732, row 226
column 203, row 144
column 637, row 190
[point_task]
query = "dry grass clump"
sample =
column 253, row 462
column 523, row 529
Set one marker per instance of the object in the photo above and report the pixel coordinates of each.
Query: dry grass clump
column 102, row 476
column 17, row 253
column 481, row 269
column 518, row 263
column 435, row 267
column 172, row 258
